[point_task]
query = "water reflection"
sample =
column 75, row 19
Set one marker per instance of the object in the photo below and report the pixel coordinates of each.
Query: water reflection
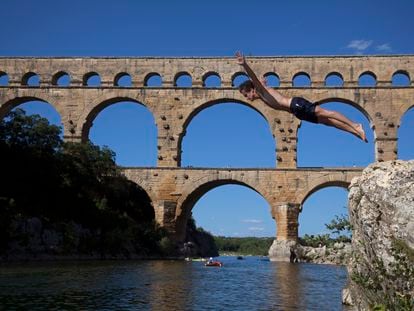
column 170, row 285
column 288, row 286
column 249, row 284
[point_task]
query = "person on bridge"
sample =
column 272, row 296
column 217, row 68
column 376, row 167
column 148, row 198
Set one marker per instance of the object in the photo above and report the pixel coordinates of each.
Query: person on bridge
column 256, row 88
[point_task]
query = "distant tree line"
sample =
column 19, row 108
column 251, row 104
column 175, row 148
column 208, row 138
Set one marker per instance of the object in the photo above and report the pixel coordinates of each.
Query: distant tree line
column 244, row 246
column 59, row 182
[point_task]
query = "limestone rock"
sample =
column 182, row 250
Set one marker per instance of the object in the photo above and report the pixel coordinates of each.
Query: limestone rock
column 381, row 205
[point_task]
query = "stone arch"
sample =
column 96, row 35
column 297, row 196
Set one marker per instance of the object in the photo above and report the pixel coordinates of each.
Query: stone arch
column 5, row 77
column 89, row 75
column 403, row 73
column 27, row 76
column 334, row 75
column 206, row 105
column 88, row 116
column 273, row 79
column 152, row 75
column 401, row 130
column 11, row 103
column 196, row 190
column 300, row 75
column 209, row 75
column 344, row 183
column 236, row 76
column 59, row 75
column 121, row 75
column 368, row 74
column 348, row 102
column 141, row 183
column 182, row 74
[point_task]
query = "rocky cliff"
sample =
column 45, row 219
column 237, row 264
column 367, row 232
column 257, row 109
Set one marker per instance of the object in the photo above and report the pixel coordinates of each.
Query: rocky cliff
column 381, row 206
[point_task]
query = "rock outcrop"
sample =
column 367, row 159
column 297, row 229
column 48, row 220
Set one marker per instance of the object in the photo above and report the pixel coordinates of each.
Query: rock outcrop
column 381, row 206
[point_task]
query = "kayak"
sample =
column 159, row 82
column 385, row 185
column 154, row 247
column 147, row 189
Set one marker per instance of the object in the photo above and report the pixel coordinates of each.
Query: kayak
column 213, row 264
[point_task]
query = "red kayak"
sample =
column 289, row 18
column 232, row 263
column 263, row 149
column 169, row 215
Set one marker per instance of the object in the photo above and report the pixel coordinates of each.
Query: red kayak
column 213, row 264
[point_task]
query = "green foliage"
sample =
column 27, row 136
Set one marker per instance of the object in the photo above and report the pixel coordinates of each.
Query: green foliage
column 244, row 246
column 388, row 287
column 339, row 225
column 340, row 228
column 69, row 182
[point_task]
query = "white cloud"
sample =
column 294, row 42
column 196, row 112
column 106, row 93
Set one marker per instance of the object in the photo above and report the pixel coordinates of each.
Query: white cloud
column 384, row 47
column 359, row 45
column 256, row 228
column 253, row 221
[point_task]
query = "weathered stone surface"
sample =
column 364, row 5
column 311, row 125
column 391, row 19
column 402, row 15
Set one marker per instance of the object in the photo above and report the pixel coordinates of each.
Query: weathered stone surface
column 381, row 204
column 283, row 250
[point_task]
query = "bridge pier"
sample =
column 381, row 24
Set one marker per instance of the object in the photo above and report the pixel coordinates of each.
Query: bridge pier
column 283, row 247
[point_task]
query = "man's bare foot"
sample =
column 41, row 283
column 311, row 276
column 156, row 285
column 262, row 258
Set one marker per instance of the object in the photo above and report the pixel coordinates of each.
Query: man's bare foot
column 361, row 132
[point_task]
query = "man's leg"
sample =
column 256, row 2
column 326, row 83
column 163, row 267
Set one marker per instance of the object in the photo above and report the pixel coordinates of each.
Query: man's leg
column 338, row 120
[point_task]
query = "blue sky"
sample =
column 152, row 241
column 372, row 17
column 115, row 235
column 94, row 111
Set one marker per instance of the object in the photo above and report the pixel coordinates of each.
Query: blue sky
column 225, row 135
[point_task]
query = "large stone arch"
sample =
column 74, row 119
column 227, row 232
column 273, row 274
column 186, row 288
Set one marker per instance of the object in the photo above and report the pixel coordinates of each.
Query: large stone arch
column 13, row 102
column 192, row 194
column 324, row 184
column 142, row 182
column 90, row 114
column 217, row 101
column 347, row 101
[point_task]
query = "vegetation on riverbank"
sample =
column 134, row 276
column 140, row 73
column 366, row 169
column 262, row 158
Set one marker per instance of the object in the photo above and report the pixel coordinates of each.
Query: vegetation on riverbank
column 74, row 193
column 243, row 246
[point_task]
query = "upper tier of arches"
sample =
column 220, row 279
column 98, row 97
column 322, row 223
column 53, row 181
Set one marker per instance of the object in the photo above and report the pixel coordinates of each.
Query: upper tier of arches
column 362, row 71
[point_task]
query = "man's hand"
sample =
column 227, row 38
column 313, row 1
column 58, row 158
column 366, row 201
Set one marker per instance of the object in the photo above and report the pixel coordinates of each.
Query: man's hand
column 240, row 58
column 263, row 81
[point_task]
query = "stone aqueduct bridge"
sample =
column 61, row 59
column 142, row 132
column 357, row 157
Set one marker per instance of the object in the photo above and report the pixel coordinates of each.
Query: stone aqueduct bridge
column 173, row 189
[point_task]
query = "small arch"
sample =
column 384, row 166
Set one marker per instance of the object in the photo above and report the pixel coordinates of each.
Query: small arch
column 183, row 79
column 211, row 79
column 367, row 79
column 272, row 79
column 4, row 79
column 301, row 79
column 123, row 79
column 31, row 79
column 92, row 79
column 61, row 78
column 153, row 79
column 401, row 78
column 238, row 79
column 334, row 79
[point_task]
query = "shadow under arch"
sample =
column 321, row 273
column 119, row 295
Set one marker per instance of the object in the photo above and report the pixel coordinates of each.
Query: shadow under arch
column 9, row 105
column 209, row 104
column 91, row 115
column 143, row 199
column 190, row 197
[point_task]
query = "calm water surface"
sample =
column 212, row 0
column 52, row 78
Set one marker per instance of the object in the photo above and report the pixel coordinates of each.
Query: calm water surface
column 249, row 284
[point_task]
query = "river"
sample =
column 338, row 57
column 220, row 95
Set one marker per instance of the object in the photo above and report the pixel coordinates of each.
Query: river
column 248, row 284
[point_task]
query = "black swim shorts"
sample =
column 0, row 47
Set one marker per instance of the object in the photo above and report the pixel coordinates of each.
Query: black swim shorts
column 303, row 109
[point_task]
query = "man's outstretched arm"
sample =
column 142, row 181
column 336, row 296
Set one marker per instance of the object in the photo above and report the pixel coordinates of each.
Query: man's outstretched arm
column 270, row 96
column 258, row 84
